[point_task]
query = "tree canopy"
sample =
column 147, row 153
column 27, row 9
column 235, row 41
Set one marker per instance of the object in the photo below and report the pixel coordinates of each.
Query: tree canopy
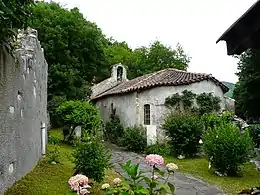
column 247, row 93
column 74, row 49
column 144, row 60
column 14, row 15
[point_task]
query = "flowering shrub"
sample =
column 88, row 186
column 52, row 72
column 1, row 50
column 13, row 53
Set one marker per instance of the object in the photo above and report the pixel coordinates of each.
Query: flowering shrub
column 154, row 159
column 79, row 185
column 171, row 167
column 137, row 181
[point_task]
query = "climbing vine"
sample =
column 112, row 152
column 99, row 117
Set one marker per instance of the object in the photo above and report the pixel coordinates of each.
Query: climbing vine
column 188, row 99
column 14, row 15
column 206, row 102
column 173, row 100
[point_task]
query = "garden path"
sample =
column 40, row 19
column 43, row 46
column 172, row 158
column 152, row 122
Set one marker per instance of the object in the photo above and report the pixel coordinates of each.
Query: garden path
column 184, row 184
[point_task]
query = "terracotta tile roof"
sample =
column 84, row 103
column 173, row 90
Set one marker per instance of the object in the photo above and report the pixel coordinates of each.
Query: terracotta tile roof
column 166, row 77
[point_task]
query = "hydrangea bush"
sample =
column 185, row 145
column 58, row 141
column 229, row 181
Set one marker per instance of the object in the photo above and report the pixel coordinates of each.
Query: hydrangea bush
column 79, row 185
column 139, row 183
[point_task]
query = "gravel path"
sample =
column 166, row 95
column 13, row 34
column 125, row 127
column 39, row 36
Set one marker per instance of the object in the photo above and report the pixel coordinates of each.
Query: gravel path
column 184, row 185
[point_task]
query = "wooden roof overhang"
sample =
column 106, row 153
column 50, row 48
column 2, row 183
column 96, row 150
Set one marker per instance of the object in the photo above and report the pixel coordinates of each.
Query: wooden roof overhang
column 244, row 33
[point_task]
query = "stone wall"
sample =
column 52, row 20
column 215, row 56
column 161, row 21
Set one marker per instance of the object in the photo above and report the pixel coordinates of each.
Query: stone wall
column 125, row 108
column 230, row 104
column 23, row 108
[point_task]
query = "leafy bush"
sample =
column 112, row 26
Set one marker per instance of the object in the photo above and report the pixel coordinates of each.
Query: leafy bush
column 114, row 131
column 53, row 140
column 185, row 131
column 254, row 131
column 134, row 139
column 79, row 113
column 52, row 106
column 161, row 149
column 227, row 148
column 213, row 119
column 53, row 154
column 91, row 159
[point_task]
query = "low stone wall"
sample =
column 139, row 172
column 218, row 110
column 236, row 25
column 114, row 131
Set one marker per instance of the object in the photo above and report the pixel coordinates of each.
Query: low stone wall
column 23, row 108
column 229, row 104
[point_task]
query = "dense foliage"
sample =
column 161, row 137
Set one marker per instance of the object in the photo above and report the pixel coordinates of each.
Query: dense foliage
column 92, row 158
column 208, row 103
column 14, row 15
column 185, row 131
column 79, row 113
column 114, row 131
column 227, row 148
column 134, row 139
column 74, row 49
column 254, row 131
column 246, row 92
column 211, row 120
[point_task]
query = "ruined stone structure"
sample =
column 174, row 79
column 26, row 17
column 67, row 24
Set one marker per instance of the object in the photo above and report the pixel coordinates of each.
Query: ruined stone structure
column 23, row 108
column 140, row 101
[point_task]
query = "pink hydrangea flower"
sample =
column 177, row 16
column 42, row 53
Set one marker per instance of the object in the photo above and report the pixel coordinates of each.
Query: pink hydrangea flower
column 154, row 159
column 78, row 181
column 83, row 192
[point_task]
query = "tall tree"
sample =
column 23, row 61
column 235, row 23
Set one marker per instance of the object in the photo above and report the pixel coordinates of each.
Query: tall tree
column 74, row 49
column 247, row 93
column 14, row 15
column 144, row 60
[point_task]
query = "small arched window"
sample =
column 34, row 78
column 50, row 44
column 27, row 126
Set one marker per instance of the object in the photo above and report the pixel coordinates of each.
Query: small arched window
column 147, row 115
column 119, row 73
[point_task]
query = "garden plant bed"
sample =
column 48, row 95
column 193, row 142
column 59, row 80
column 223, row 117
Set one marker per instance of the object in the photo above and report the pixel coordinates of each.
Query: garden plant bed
column 52, row 179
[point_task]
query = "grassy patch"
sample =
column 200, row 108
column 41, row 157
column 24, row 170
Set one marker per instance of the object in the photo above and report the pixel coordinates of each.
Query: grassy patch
column 48, row 179
column 199, row 168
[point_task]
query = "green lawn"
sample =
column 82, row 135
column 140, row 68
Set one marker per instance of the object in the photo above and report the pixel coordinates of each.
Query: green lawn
column 48, row 179
column 232, row 185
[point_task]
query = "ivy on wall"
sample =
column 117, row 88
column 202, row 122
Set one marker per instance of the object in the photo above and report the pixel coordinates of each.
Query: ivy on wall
column 208, row 103
column 205, row 102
